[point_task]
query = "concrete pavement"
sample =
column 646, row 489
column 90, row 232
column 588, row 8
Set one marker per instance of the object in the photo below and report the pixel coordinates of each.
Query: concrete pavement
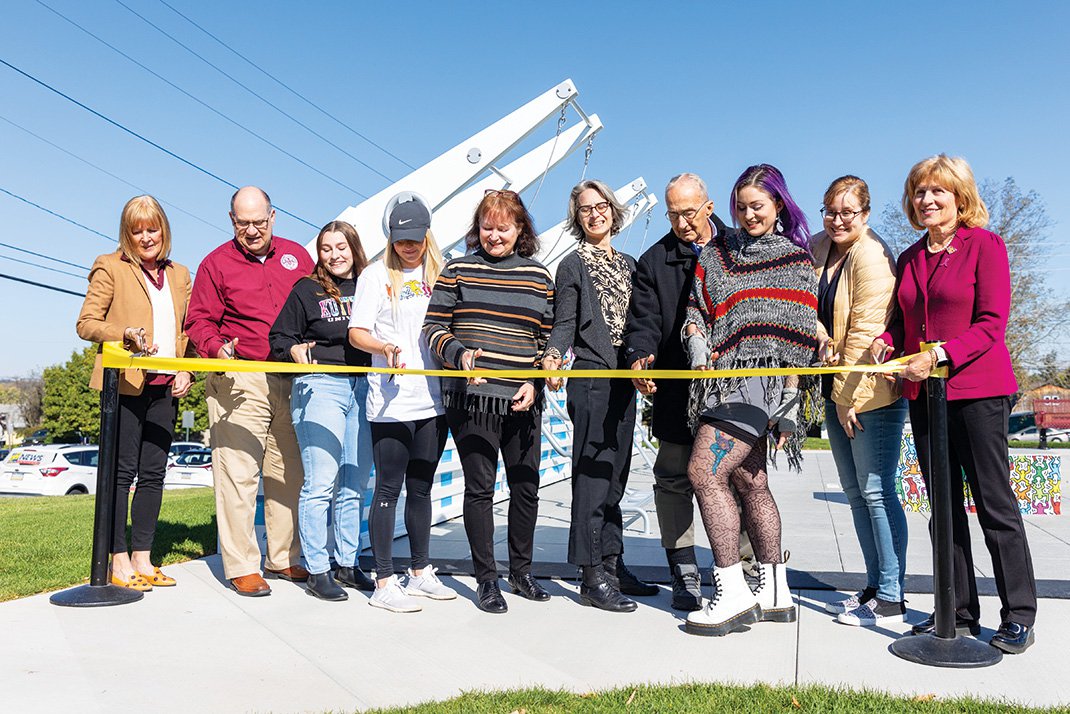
column 200, row 647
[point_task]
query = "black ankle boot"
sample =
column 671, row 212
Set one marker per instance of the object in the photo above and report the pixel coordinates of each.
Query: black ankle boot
column 322, row 585
column 597, row 591
column 622, row 579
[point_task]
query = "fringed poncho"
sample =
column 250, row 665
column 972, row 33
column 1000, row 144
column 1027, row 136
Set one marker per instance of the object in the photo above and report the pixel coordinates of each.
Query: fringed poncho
column 756, row 301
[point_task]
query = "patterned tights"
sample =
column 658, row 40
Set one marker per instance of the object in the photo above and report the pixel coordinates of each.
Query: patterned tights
column 717, row 460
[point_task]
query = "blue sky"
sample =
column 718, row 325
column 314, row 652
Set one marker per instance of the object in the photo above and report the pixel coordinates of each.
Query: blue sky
column 819, row 89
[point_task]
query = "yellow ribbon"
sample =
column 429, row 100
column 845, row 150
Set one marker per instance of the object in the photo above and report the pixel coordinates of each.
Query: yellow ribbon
column 116, row 357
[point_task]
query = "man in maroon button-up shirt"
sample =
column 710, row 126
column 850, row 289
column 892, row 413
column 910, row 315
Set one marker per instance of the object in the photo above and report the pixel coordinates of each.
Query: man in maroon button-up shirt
column 239, row 290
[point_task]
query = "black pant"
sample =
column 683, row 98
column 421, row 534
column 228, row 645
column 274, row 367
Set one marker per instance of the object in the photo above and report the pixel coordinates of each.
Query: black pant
column 405, row 452
column 146, row 422
column 479, row 437
column 977, row 441
column 603, row 418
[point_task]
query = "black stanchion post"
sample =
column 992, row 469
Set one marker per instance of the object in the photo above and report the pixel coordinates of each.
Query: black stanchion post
column 99, row 592
column 943, row 648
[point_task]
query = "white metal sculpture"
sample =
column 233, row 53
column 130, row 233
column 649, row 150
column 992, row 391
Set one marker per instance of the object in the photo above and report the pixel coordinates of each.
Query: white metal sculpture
column 452, row 183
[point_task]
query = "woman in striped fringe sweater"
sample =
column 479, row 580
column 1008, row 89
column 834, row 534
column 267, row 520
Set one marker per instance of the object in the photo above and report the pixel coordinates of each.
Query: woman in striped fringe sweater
column 493, row 309
column 754, row 305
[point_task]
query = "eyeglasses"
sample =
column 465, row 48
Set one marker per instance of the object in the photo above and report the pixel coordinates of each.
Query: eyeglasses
column 688, row 214
column 601, row 207
column 845, row 216
column 503, row 192
column 244, row 225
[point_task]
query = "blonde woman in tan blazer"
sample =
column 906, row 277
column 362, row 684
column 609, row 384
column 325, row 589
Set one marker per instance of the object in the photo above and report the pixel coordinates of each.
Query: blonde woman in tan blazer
column 139, row 296
column 864, row 413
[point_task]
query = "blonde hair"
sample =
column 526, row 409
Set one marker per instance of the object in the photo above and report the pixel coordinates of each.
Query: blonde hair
column 954, row 174
column 432, row 267
column 143, row 211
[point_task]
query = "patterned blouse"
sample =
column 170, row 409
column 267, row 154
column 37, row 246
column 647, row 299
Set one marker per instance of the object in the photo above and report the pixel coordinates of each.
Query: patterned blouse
column 612, row 280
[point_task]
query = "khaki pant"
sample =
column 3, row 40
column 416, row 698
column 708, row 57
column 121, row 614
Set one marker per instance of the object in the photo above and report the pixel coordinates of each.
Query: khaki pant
column 251, row 432
column 674, row 499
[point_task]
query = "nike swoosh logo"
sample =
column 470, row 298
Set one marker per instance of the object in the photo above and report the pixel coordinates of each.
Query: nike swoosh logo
column 407, row 220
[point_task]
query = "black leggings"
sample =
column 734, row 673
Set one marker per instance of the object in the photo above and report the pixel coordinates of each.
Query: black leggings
column 404, row 452
column 146, row 422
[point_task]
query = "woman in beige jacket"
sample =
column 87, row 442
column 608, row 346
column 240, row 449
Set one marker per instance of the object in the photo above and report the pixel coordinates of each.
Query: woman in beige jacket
column 140, row 297
column 864, row 413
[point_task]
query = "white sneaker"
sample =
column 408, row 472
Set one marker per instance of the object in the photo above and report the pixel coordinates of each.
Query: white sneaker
column 851, row 603
column 773, row 594
column 427, row 584
column 732, row 608
column 873, row 613
column 392, row 597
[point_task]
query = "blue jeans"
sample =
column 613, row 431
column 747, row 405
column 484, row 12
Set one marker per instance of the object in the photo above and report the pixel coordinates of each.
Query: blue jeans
column 328, row 413
column 867, row 465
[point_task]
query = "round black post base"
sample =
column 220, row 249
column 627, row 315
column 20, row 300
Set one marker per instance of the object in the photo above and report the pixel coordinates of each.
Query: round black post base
column 95, row 596
column 960, row 652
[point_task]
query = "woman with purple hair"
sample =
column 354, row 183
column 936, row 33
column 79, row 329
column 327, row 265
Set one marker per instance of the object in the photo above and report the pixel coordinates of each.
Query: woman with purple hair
column 753, row 305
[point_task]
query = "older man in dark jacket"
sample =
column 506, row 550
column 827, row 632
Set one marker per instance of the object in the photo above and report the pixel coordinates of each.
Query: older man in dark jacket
column 652, row 338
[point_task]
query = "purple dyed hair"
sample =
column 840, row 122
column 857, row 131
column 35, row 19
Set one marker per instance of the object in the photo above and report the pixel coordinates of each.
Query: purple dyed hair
column 768, row 178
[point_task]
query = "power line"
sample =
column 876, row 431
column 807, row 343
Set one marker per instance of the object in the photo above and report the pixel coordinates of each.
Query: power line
column 42, row 267
column 120, row 179
column 42, row 255
column 202, row 103
column 53, row 213
column 287, row 87
column 250, row 91
column 133, row 133
column 41, row 285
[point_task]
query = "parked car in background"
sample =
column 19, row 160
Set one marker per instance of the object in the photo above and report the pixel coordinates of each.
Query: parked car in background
column 1020, row 421
column 1031, row 433
column 56, row 470
column 180, row 447
column 38, row 437
column 191, row 469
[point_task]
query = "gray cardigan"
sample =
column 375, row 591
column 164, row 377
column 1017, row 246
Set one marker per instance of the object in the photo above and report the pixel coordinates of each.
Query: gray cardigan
column 578, row 321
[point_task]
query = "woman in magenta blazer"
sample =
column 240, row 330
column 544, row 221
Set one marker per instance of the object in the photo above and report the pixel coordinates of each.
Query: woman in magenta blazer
column 954, row 285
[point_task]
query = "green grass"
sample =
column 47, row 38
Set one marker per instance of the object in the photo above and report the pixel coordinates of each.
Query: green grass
column 699, row 698
column 1036, row 444
column 47, row 541
column 815, row 443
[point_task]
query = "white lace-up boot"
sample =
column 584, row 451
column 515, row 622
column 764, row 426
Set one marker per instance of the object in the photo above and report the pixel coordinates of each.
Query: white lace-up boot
column 773, row 594
column 732, row 608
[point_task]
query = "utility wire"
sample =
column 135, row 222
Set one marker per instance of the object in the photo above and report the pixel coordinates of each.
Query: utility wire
column 120, row 179
column 42, row 255
column 42, row 267
column 250, row 91
column 57, row 215
column 133, row 133
column 287, row 87
column 41, row 285
column 202, row 103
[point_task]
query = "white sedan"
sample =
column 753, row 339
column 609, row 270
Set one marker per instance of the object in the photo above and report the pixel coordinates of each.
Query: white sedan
column 56, row 470
column 190, row 470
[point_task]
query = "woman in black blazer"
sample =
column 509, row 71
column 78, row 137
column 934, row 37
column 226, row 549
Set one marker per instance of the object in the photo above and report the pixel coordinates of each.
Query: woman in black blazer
column 594, row 285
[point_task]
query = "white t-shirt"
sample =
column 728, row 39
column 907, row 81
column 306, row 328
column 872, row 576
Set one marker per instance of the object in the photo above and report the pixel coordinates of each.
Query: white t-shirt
column 409, row 397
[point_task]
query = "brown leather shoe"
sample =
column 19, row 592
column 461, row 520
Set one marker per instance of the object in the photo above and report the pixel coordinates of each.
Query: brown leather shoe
column 295, row 574
column 250, row 585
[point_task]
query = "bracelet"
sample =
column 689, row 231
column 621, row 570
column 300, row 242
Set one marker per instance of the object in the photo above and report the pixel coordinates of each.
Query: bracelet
column 934, row 359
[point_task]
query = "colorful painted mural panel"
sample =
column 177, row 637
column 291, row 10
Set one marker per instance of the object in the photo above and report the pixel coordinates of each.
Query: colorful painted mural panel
column 1035, row 479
